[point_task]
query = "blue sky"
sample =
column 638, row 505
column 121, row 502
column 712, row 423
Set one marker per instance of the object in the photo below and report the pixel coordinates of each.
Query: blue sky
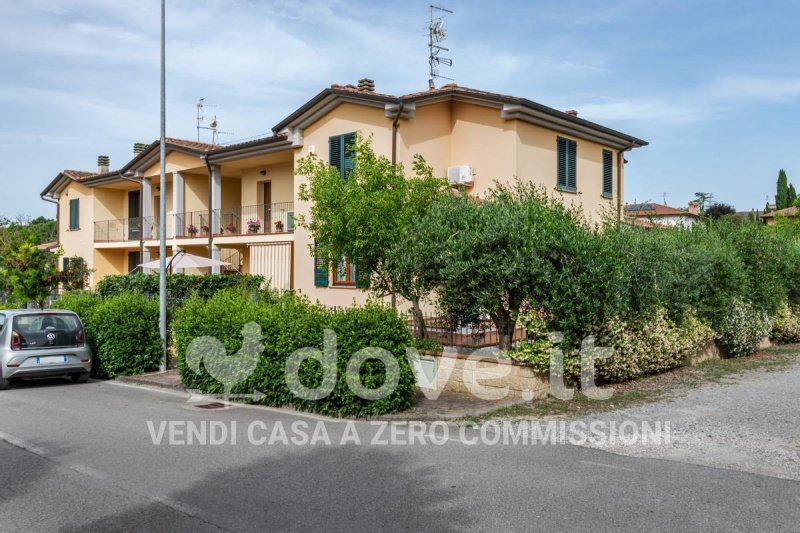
column 713, row 85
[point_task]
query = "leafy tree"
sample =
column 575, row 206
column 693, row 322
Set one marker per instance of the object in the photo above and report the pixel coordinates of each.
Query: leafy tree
column 702, row 198
column 501, row 254
column 32, row 274
column 76, row 275
column 368, row 215
column 782, row 192
column 719, row 210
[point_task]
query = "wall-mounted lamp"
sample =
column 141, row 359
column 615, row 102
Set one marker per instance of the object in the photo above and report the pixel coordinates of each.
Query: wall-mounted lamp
column 263, row 172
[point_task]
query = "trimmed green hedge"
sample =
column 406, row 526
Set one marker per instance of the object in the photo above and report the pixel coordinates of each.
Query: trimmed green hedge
column 122, row 331
column 179, row 286
column 289, row 324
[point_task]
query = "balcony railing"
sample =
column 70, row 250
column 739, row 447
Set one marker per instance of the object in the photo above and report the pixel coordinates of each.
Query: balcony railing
column 264, row 219
column 129, row 229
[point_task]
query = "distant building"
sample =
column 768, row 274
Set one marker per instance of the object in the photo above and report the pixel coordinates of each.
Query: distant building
column 771, row 217
column 653, row 214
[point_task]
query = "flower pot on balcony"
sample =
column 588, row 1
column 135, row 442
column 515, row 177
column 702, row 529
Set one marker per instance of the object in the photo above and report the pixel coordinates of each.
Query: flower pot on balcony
column 279, row 226
column 253, row 229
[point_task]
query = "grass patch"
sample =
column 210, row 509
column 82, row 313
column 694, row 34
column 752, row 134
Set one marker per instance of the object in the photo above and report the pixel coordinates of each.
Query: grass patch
column 653, row 388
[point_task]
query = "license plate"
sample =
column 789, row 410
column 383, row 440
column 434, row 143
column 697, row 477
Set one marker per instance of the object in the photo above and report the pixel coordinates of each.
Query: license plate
column 52, row 360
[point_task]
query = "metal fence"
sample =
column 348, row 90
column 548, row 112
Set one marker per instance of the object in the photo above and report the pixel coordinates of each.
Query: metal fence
column 449, row 333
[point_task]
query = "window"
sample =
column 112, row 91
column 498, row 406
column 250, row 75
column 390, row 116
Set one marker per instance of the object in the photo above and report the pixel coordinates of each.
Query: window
column 64, row 264
column 340, row 153
column 320, row 269
column 608, row 173
column 74, row 214
column 134, row 260
column 345, row 273
column 567, row 155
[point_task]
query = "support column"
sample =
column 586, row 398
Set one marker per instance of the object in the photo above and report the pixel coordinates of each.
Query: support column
column 147, row 221
column 216, row 205
column 178, row 222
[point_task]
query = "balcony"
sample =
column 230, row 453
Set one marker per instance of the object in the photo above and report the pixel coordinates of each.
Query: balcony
column 264, row 219
column 128, row 229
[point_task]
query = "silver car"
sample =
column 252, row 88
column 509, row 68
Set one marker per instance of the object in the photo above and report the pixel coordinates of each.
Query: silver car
column 35, row 344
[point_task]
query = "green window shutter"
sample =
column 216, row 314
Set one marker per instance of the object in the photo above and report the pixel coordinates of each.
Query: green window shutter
column 64, row 263
column 562, row 162
column 608, row 173
column 74, row 214
column 320, row 269
column 290, row 221
column 340, row 153
column 362, row 278
column 335, row 150
column 572, row 157
column 349, row 159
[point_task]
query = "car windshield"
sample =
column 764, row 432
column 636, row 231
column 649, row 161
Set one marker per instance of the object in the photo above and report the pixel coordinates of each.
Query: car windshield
column 47, row 330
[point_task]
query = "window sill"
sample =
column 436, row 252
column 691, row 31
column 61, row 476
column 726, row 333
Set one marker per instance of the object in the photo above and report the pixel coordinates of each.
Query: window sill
column 343, row 286
column 74, row 229
column 607, row 196
column 570, row 190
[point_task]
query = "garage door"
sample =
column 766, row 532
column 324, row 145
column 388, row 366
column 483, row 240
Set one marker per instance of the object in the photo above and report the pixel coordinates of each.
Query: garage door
column 274, row 262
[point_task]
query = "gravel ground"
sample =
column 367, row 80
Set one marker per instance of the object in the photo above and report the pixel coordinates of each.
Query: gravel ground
column 752, row 425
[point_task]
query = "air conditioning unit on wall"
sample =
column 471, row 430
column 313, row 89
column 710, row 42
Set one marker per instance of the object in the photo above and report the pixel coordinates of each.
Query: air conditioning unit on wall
column 460, row 175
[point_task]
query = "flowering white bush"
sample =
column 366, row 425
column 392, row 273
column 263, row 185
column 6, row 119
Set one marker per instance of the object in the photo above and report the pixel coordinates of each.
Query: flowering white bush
column 651, row 345
column 743, row 328
column 786, row 325
column 647, row 346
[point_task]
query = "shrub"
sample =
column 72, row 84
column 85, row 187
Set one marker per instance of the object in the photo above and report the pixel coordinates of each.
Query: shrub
column 288, row 324
column 641, row 347
column 83, row 304
column 179, row 286
column 743, row 328
column 125, row 331
column 786, row 325
column 650, row 345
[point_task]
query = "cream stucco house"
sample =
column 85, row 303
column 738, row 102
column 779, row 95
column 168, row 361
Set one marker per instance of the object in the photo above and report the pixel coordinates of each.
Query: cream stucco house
column 110, row 218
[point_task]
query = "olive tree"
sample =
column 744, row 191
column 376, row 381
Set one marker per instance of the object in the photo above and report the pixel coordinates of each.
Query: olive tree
column 368, row 215
column 500, row 254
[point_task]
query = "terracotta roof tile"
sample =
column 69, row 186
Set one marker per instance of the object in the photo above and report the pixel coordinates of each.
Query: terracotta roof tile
column 79, row 175
column 192, row 145
column 655, row 210
column 787, row 212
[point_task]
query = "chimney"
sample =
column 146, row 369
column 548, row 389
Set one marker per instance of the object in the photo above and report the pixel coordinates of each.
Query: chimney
column 693, row 208
column 367, row 85
column 571, row 113
column 102, row 164
column 138, row 148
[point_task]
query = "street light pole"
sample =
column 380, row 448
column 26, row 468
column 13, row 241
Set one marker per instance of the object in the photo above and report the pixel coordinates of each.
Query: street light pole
column 162, row 222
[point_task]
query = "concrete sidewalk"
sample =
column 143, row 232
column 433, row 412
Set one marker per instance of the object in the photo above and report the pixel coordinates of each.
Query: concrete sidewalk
column 447, row 406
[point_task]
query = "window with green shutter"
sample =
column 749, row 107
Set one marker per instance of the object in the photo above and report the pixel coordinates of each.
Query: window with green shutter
column 608, row 173
column 64, row 264
column 320, row 269
column 340, row 153
column 567, row 150
column 74, row 214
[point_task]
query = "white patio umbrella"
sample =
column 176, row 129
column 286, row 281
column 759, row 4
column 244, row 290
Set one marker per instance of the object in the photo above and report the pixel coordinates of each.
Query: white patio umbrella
column 184, row 260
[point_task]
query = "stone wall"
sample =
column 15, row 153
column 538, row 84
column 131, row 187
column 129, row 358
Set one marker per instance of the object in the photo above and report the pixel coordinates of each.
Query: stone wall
column 485, row 376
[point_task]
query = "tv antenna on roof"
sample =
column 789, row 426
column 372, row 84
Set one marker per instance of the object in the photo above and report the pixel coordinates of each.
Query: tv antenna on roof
column 437, row 34
column 212, row 124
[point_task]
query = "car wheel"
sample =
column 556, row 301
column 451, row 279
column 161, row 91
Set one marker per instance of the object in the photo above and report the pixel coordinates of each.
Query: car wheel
column 4, row 383
column 80, row 378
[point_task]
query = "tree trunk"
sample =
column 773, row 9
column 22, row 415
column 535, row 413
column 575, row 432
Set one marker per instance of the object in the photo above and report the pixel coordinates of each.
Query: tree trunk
column 505, row 329
column 419, row 320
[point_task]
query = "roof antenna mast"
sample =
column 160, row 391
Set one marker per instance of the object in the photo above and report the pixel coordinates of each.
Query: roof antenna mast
column 437, row 34
column 212, row 124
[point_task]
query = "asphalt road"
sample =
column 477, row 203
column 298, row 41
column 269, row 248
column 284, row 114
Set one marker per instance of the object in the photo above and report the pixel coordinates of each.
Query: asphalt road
column 82, row 457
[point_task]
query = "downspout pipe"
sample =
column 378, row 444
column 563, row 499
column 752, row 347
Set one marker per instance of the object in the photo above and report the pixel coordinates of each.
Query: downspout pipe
column 210, row 207
column 58, row 215
column 395, row 124
column 620, row 165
